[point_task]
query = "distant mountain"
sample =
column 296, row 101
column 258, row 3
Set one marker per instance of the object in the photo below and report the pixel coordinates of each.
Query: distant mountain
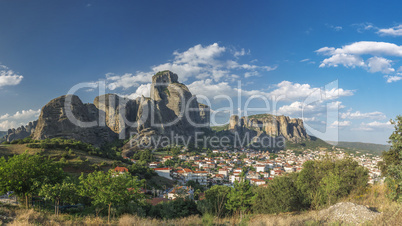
column 363, row 147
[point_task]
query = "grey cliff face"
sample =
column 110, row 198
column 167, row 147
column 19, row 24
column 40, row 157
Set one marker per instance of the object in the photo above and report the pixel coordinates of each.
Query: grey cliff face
column 21, row 132
column 270, row 125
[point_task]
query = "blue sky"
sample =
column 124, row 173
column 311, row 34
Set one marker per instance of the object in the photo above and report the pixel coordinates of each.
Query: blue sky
column 274, row 48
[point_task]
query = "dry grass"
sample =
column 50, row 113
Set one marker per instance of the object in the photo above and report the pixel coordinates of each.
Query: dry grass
column 304, row 218
column 374, row 198
column 13, row 149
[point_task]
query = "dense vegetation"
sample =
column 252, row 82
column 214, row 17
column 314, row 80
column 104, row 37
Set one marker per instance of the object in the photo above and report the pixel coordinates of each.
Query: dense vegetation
column 392, row 165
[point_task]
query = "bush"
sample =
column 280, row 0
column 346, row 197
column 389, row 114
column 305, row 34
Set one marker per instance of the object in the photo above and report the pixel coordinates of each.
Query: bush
column 281, row 195
column 177, row 208
column 324, row 182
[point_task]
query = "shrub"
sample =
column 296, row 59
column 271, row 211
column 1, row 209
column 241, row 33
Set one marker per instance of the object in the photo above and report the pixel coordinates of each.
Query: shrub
column 281, row 195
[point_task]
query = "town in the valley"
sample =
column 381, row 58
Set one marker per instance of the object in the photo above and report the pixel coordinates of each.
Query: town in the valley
column 226, row 166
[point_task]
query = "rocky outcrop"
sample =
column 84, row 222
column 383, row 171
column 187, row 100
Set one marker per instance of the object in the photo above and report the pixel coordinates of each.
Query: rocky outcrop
column 271, row 125
column 21, row 132
column 171, row 109
column 82, row 124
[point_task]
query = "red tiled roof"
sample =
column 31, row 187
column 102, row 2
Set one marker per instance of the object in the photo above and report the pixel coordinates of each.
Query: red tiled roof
column 162, row 169
column 120, row 169
column 156, row 201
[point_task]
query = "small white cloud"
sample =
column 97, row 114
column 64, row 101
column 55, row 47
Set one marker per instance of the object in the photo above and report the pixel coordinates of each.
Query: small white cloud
column 380, row 64
column 375, row 126
column 364, row 27
column 340, row 124
column 335, row 28
column 392, row 31
column 242, row 52
column 392, row 78
column 359, row 115
column 250, row 74
column 9, row 77
column 142, row 90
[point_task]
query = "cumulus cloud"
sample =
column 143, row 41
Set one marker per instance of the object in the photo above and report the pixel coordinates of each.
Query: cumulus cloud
column 359, row 115
column 294, row 91
column 5, row 125
column 210, row 89
column 201, row 62
column 142, row 90
column 24, row 114
column 351, row 56
column 8, row 121
column 9, row 77
column 127, row 80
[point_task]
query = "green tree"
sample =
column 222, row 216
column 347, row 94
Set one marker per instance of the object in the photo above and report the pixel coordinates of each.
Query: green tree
column 24, row 174
column 60, row 192
column 107, row 189
column 215, row 200
column 240, row 197
column 392, row 167
column 281, row 195
column 339, row 178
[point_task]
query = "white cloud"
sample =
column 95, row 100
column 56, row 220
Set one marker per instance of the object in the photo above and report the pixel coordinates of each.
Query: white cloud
column 5, row 125
column 392, row 78
column 392, row 31
column 340, row 124
column 351, row 56
column 379, row 64
column 299, row 109
column 375, row 126
column 335, row 28
column 364, row 27
column 201, row 62
column 365, row 47
column 24, row 114
column 9, row 121
column 250, row 74
column 209, row 89
column 142, row 90
column 9, row 77
column 127, row 80
column 295, row 91
column 344, row 59
column 242, row 52
column 359, row 115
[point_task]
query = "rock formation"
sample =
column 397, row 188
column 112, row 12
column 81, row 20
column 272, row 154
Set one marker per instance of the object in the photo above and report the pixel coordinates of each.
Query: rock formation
column 21, row 132
column 273, row 126
column 55, row 122
column 171, row 109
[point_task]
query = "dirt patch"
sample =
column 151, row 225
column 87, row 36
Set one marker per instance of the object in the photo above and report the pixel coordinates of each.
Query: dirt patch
column 349, row 213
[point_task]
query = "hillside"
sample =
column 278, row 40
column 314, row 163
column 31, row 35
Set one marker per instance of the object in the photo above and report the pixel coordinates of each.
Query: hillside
column 369, row 148
column 75, row 161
